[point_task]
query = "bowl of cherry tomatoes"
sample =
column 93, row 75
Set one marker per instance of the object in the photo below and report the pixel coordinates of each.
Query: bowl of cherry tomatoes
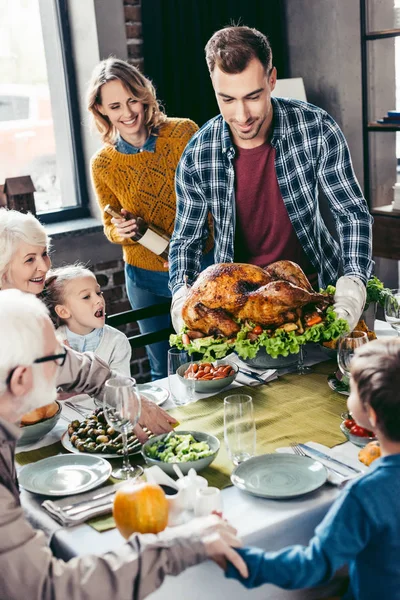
column 357, row 435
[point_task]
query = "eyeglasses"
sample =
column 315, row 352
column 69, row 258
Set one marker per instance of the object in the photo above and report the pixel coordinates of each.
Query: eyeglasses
column 59, row 359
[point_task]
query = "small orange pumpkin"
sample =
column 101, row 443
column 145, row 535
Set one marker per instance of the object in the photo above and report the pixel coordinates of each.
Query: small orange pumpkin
column 140, row 507
column 369, row 453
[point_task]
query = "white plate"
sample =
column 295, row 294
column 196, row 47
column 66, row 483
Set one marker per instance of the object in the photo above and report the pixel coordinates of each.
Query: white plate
column 64, row 475
column 155, row 393
column 66, row 442
column 279, row 476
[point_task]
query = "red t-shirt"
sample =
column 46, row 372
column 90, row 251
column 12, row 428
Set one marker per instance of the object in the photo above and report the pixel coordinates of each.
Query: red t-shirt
column 264, row 232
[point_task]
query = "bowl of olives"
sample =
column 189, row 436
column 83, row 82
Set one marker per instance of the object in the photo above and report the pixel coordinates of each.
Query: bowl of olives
column 93, row 435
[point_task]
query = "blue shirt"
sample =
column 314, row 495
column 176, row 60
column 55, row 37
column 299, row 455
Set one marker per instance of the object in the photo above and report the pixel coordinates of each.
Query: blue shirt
column 125, row 147
column 362, row 530
column 84, row 343
column 310, row 151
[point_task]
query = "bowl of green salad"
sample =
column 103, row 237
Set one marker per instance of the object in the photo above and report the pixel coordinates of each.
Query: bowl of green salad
column 187, row 449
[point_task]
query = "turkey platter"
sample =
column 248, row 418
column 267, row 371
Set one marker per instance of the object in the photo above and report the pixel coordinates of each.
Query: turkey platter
column 241, row 307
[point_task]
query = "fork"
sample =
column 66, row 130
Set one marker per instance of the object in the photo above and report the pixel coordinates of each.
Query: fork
column 300, row 452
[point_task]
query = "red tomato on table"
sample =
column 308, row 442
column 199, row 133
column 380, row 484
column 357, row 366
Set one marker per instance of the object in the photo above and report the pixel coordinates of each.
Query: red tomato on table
column 360, row 431
column 349, row 423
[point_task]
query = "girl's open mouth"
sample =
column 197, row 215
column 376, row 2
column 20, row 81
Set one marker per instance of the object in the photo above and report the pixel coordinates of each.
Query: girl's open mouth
column 99, row 313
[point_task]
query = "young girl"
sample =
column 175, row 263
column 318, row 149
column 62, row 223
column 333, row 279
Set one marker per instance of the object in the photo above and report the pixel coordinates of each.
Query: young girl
column 77, row 305
column 362, row 528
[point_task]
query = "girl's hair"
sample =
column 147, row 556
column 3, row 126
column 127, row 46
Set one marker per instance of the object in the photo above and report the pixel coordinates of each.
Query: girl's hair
column 56, row 282
column 375, row 370
column 17, row 227
column 135, row 83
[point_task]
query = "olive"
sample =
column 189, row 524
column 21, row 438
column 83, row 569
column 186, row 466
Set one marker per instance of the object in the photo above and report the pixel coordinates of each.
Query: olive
column 75, row 424
column 82, row 432
column 101, row 417
column 90, row 446
column 73, row 438
column 80, row 446
column 102, row 439
column 92, row 433
column 110, row 430
column 99, row 432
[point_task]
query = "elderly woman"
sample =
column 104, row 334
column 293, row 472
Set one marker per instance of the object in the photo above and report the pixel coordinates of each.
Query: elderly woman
column 24, row 262
column 134, row 172
column 24, row 259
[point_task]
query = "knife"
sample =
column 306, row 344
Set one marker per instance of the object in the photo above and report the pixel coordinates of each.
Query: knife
column 252, row 376
column 324, row 456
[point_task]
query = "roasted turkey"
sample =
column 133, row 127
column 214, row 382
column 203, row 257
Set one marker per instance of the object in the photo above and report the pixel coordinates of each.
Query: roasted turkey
column 227, row 292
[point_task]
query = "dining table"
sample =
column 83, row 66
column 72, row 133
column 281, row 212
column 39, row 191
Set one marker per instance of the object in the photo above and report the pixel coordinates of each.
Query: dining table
column 266, row 523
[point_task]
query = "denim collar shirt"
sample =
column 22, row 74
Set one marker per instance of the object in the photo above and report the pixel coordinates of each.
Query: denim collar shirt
column 310, row 152
column 126, row 148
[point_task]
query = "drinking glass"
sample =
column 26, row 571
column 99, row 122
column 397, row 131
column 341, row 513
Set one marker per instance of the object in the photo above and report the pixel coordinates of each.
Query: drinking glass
column 182, row 392
column 121, row 405
column 347, row 346
column 392, row 310
column 301, row 367
column 239, row 427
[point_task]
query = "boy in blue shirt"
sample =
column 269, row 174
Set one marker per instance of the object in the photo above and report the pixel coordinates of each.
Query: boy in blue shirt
column 362, row 528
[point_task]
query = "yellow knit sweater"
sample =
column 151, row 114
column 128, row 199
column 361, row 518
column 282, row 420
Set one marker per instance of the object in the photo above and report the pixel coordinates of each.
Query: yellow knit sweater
column 143, row 184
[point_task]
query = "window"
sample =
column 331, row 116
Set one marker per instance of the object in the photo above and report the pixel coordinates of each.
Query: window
column 39, row 120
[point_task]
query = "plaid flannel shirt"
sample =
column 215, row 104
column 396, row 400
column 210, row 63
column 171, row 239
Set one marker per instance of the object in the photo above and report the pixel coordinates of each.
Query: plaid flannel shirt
column 310, row 150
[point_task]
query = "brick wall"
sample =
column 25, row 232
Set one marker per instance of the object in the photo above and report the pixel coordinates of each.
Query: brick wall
column 133, row 27
column 111, row 278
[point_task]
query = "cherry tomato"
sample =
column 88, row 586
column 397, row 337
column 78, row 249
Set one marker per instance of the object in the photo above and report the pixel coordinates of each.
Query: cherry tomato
column 360, row 431
column 257, row 330
column 348, row 423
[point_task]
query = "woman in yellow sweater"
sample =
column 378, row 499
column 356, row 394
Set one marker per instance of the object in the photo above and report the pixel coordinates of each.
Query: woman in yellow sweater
column 134, row 172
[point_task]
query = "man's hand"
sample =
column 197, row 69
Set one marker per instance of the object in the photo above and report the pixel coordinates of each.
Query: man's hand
column 178, row 300
column 126, row 226
column 154, row 418
column 350, row 297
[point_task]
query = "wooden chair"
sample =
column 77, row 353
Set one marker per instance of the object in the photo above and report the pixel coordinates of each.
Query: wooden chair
column 132, row 316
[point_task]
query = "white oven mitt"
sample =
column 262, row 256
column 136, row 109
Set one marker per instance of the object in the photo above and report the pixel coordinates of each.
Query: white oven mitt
column 178, row 300
column 349, row 299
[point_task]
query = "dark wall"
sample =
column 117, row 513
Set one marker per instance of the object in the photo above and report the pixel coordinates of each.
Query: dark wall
column 174, row 35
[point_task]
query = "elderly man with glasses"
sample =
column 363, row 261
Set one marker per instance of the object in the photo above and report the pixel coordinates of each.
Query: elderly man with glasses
column 31, row 361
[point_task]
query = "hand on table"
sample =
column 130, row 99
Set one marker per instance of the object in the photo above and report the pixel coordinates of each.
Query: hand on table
column 154, row 418
column 126, row 226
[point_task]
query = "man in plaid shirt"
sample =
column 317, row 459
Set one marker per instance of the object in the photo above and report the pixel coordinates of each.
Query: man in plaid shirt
column 256, row 168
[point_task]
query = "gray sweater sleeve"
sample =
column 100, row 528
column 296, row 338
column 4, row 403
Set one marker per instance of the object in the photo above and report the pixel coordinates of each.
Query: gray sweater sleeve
column 137, row 568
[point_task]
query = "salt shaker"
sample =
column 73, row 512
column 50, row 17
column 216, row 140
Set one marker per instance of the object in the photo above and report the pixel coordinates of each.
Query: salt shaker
column 208, row 500
column 191, row 483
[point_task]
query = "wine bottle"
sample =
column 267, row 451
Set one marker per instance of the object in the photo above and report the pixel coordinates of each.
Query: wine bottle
column 149, row 236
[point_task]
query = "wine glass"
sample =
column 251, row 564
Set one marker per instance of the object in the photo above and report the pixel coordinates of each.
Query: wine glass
column 392, row 310
column 347, row 346
column 301, row 367
column 239, row 427
column 121, row 405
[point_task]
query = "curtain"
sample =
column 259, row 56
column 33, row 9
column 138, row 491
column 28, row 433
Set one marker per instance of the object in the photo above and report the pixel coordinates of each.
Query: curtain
column 174, row 35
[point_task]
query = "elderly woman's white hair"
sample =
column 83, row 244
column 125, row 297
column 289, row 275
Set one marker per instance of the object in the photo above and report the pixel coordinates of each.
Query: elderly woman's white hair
column 16, row 227
column 21, row 327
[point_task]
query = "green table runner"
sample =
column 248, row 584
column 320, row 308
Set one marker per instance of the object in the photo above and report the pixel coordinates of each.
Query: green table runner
column 293, row 408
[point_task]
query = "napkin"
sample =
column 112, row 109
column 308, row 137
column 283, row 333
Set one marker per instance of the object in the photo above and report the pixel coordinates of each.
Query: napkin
column 243, row 379
column 333, row 478
column 77, row 509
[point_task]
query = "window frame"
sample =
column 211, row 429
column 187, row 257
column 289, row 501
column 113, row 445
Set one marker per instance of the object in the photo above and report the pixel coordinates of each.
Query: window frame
column 81, row 210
